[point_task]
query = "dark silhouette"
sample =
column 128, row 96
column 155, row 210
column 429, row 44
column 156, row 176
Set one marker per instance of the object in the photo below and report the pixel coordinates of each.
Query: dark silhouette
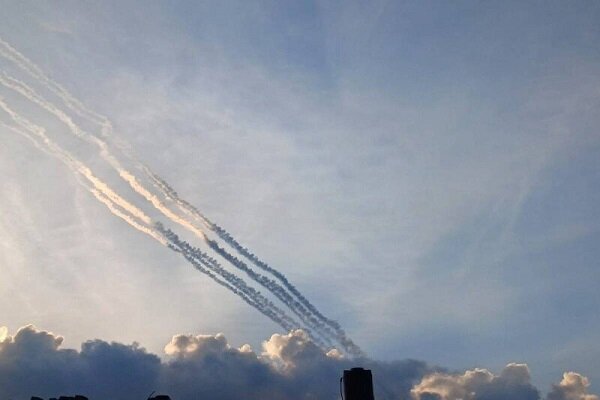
column 80, row 397
column 358, row 384
column 76, row 397
column 355, row 384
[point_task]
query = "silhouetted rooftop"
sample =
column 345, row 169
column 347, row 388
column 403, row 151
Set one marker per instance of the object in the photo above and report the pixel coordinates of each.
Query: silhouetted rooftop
column 76, row 397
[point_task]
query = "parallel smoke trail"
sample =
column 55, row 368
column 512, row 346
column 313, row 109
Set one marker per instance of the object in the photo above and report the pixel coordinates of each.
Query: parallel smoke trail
column 30, row 94
column 117, row 205
column 73, row 163
column 138, row 220
column 303, row 308
column 114, row 209
column 320, row 322
column 193, row 255
column 169, row 192
column 279, row 292
column 271, row 285
column 9, row 52
column 125, row 217
column 199, row 265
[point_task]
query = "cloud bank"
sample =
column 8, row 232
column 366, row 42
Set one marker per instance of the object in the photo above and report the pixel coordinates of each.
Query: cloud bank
column 289, row 366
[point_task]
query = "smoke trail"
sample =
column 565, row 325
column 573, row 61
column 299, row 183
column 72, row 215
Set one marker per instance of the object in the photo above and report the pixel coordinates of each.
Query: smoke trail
column 127, row 218
column 279, row 292
column 299, row 307
column 192, row 211
column 75, row 165
column 120, row 208
column 193, row 255
column 23, row 62
column 30, row 94
column 199, row 266
column 339, row 335
column 98, row 189
column 271, row 285
column 9, row 52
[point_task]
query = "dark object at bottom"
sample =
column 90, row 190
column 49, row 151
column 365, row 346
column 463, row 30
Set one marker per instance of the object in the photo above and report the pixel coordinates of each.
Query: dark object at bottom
column 76, row 397
column 160, row 397
column 358, row 384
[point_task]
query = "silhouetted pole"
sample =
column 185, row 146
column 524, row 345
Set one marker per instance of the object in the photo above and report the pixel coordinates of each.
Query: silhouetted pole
column 358, row 384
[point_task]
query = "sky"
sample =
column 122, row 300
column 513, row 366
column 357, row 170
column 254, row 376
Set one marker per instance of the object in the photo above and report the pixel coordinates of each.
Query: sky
column 425, row 173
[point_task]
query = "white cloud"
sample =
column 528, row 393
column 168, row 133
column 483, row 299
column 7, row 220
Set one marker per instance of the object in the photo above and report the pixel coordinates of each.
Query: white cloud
column 513, row 382
column 33, row 362
column 573, row 386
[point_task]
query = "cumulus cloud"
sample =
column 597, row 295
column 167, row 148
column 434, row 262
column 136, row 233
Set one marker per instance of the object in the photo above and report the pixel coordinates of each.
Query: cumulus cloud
column 289, row 366
column 477, row 384
column 572, row 387
column 514, row 382
column 32, row 363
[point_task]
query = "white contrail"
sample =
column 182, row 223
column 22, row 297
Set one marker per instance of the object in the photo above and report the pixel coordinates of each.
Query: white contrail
column 193, row 212
column 98, row 188
column 277, row 290
column 301, row 307
column 74, row 164
column 127, row 218
column 9, row 52
column 107, row 196
column 30, row 94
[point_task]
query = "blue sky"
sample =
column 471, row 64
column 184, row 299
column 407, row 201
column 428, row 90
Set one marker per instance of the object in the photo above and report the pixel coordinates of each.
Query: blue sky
column 425, row 172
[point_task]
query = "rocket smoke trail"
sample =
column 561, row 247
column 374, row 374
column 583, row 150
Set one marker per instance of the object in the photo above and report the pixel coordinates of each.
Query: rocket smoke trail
column 284, row 290
column 193, row 255
column 279, row 292
column 340, row 334
column 137, row 219
column 12, row 54
column 101, row 190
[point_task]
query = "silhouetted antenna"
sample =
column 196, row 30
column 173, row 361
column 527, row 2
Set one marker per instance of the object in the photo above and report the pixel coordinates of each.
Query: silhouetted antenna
column 150, row 395
column 357, row 384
